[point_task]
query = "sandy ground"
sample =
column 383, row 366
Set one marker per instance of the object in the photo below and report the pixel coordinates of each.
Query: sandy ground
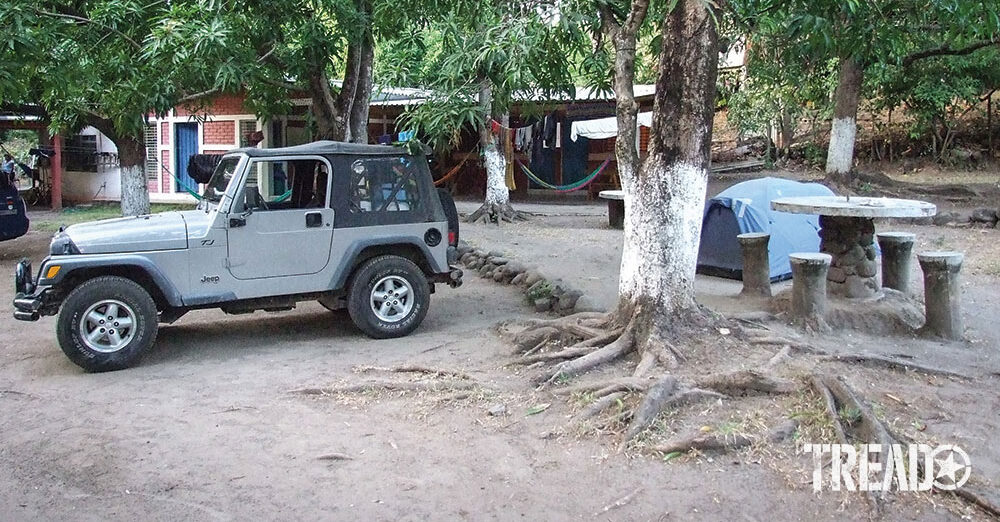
column 209, row 426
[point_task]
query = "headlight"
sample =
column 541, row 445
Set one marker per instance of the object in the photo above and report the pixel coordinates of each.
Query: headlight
column 62, row 245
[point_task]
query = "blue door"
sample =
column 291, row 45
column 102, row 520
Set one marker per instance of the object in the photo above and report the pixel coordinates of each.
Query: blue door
column 186, row 136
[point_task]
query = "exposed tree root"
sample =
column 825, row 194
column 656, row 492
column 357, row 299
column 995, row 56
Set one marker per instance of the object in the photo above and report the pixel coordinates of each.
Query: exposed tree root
column 719, row 442
column 665, row 393
column 882, row 361
column 705, row 442
column 863, row 426
column 413, row 368
column 978, row 498
column 747, row 382
column 778, row 358
column 624, row 344
column 782, row 341
column 496, row 213
column 831, row 406
column 391, row 386
column 600, row 388
column 595, row 408
column 565, row 353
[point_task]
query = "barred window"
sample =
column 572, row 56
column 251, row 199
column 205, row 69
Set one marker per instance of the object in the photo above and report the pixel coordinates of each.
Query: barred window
column 152, row 153
column 247, row 128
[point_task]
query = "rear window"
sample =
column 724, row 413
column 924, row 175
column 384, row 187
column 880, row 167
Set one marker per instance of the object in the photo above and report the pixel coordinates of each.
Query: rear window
column 384, row 184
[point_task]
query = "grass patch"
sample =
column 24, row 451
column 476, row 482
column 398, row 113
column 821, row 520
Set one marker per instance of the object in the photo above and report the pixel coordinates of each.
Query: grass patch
column 97, row 211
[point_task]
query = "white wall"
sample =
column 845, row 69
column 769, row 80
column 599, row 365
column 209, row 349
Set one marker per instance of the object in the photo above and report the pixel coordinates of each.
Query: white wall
column 105, row 183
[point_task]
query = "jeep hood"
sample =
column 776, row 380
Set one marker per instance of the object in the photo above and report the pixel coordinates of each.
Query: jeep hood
column 166, row 231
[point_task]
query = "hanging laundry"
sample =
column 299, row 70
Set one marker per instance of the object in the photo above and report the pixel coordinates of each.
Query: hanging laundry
column 522, row 139
column 549, row 131
column 406, row 135
column 385, row 139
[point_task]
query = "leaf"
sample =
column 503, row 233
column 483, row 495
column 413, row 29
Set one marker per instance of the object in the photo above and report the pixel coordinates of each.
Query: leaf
column 535, row 410
column 672, row 455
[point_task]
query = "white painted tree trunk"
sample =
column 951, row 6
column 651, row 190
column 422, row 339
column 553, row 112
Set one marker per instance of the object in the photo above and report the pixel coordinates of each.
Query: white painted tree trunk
column 664, row 204
column 840, row 155
column 131, row 162
column 135, row 195
column 496, row 175
column 662, row 231
column 497, row 195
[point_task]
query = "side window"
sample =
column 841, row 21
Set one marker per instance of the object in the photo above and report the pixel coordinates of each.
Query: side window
column 286, row 184
column 384, row 184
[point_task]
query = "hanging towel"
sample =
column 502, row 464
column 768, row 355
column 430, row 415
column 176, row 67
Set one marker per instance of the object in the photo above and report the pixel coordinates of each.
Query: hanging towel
column 602, row 128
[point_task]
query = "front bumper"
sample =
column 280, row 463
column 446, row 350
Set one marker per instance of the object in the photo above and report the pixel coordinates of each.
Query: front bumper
column 30, row 299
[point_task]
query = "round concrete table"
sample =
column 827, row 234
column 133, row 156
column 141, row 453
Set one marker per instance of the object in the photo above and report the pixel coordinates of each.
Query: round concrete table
column 847, row 233
column 616, row 207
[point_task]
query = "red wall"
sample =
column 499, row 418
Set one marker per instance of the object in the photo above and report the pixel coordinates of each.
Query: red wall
column 219, row 133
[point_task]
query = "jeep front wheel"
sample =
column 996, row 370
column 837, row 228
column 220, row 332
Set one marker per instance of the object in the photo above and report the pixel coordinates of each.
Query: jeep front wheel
column 106, row 324
column 388, row 297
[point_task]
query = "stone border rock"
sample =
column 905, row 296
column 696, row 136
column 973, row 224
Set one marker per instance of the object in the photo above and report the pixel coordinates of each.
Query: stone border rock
column 543, row 294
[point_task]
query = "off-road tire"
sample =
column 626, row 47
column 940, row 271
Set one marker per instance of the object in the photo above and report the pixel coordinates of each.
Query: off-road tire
column 362, row 284
column 119, row 289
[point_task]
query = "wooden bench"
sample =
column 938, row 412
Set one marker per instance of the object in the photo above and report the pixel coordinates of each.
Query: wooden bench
column 616, row 207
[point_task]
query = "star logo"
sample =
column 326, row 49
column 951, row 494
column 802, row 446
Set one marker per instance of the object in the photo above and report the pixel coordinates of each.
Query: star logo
column 952, row 467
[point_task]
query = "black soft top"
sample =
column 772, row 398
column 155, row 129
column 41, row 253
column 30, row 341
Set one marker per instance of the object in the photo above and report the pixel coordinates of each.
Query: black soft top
column 324, row 148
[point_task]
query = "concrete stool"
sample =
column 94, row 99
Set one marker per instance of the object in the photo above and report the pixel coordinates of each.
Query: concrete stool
column 756, row 264
column 897, row 248
column 942, row 293
column 616, row 207
column 809, row 286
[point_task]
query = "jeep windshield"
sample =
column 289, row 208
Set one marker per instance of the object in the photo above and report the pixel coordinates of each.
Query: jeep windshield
column 223, row 174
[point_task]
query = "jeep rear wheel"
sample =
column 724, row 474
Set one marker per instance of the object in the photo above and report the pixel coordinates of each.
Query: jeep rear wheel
column 388, row 297
column 107, row 323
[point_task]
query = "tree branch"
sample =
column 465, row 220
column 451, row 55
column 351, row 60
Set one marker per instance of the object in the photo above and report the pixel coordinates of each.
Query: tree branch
column 636, row 15
column 85, row 20
column 946, row 50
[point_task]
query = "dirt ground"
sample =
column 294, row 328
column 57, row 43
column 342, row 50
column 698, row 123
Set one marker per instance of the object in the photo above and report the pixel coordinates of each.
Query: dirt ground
column 214, row 425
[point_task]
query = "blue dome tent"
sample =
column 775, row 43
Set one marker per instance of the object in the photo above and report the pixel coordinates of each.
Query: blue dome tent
column 746, row 207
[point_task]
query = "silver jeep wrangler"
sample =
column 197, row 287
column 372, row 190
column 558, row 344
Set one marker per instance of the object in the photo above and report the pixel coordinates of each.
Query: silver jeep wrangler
column 359, row 227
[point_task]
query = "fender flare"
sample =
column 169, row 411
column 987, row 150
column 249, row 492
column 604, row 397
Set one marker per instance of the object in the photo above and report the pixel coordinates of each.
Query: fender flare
column 351, row 256
column 73, row 263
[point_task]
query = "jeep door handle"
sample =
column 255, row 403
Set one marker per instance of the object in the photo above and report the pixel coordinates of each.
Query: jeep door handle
column 314, row 219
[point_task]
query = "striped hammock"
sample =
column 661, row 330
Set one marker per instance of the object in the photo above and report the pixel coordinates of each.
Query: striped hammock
column 565, row 188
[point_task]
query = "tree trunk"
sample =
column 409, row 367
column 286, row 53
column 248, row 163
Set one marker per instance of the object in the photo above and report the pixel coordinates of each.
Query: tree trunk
column 663, row 208
column 840, row 155
column 363, row 85
column 362, row 94
column 331, row 122
column 496, row 167
column 626, row 109
column 132, row 164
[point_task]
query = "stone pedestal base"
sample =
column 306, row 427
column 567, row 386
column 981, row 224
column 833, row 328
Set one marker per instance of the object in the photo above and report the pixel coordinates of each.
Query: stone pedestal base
column 897, row 248
column 942, row 293
column 809, row 278
column 756, row 264
column 616, row 213
column 850, row 242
